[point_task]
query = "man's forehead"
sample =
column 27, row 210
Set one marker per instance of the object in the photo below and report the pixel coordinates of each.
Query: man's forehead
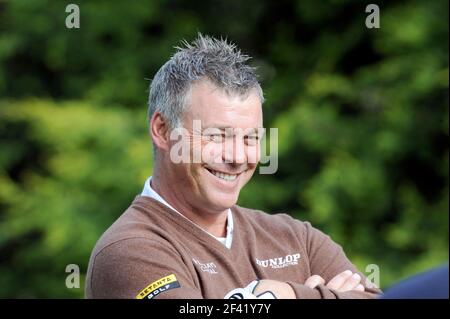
column 231, row 128
column 216, row 109
column 204, row 91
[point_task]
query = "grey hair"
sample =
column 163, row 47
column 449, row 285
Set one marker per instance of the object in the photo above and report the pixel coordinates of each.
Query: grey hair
column 218, row 61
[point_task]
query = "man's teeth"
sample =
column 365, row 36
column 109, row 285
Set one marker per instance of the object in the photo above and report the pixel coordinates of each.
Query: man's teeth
column 226, row 177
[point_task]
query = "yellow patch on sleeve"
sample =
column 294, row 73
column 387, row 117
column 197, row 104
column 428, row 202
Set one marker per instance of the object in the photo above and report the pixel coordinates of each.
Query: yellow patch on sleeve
column 155, row 285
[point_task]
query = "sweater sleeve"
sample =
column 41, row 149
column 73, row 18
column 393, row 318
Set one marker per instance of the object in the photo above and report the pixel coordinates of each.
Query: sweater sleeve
column 140, row 268
column 327, row 259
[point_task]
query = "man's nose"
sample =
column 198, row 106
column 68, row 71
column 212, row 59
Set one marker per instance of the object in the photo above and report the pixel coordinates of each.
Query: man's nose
column 235, row 151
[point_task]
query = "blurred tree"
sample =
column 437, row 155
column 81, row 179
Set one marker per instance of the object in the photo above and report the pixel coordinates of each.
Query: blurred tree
column 362, row 117
column 66, row 171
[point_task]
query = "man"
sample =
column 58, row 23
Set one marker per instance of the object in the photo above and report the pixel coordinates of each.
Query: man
column 184, row 236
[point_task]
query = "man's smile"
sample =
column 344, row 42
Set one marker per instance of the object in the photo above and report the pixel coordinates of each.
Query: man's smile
column 222, row 175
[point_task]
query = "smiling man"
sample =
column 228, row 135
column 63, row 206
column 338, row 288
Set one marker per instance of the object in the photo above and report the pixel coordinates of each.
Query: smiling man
column 184, row 236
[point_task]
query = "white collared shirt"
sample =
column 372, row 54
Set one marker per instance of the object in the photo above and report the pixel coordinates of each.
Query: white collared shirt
column 150, row 192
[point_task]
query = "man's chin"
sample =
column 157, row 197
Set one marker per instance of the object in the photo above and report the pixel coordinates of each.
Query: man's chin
column 223, row 203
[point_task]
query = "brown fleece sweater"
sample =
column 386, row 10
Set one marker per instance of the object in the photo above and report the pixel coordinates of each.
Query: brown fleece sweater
column 152, row 251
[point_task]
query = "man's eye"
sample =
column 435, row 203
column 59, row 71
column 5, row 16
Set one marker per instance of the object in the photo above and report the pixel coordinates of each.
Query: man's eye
column 252, row 138
column 216, row 137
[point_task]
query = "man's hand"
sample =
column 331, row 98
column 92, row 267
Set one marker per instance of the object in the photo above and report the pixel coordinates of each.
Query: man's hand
column 278, row 289
column 267, row 288
column 345, row 281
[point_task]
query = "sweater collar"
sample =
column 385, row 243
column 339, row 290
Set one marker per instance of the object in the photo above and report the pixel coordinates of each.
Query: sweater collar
column 148, row 191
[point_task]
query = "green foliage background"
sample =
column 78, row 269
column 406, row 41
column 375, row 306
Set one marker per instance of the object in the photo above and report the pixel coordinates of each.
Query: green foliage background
column 362, row 117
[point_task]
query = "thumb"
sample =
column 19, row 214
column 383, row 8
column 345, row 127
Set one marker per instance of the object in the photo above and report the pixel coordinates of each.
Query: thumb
column 313, row 281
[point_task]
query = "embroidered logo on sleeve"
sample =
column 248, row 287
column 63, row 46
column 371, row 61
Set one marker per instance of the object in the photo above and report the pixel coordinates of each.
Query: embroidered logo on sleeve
column 206, row 267
column 159, row 286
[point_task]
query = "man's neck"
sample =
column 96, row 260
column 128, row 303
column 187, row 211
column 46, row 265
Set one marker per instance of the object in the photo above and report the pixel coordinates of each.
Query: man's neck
column 213, row 223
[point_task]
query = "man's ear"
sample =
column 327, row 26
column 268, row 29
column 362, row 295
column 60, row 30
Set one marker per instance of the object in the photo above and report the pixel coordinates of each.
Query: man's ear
column 159, row 131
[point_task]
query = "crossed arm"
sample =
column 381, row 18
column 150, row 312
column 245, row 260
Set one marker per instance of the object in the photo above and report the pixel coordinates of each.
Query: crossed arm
column 333, row 275
column 343, row 282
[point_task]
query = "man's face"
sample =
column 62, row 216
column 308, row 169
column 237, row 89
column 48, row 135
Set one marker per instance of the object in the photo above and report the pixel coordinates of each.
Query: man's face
column 223, row 131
